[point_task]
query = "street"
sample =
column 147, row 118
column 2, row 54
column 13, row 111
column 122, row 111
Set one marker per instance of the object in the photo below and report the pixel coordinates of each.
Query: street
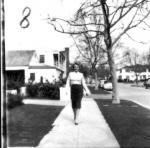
column 136, row 94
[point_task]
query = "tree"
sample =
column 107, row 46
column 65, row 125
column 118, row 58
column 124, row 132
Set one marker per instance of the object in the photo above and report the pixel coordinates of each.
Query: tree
column 113, row 17
column 89, row 43
column 84, row 69
column 147, row 57
column 103, row 71
column 91, row 53
column 131, row 58
column 117, row 19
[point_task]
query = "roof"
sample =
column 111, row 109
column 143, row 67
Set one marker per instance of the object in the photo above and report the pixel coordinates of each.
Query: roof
column 19, row 57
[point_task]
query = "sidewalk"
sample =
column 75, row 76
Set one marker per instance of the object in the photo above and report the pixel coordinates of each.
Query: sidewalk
column 92, row 131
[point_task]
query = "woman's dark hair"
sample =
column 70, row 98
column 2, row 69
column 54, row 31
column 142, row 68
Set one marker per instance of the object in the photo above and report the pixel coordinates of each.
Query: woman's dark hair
column 75, row 64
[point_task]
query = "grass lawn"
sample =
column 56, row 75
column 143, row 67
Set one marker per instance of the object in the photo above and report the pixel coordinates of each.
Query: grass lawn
column 99, row 91
column 27, row 124
column 129, row 122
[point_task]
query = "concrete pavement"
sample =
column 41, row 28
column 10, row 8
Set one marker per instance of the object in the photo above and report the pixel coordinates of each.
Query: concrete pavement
column 92, row 131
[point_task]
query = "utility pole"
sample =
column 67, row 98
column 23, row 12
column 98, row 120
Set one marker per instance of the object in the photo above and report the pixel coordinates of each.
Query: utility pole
column 3, row 84
column 67, row 60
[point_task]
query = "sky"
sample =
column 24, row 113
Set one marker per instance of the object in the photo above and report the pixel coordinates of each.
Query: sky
column 40, row 35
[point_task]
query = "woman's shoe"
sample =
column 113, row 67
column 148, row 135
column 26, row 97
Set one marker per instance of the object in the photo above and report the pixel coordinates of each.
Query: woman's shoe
column 76, row 122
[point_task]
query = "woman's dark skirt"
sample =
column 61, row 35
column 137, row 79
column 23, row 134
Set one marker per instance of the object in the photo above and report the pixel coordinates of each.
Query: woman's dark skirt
column 76, row 95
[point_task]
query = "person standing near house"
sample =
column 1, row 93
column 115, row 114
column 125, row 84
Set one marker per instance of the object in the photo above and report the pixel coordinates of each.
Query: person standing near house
column 77, row 85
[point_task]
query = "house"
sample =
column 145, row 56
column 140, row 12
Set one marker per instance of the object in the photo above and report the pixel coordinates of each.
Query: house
column 36, row 65
column 123, row 74
column 131, row 73
column 144, row 75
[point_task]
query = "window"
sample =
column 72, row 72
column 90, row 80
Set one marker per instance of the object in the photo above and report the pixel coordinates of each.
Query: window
column 32, row 76
column 41, row 79
column 144, row 76
column 42, row 58
column 55, row 59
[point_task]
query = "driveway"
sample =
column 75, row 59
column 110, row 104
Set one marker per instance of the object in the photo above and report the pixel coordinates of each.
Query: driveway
column 137, row 94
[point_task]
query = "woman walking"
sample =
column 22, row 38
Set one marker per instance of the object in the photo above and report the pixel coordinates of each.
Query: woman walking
column 77, row 84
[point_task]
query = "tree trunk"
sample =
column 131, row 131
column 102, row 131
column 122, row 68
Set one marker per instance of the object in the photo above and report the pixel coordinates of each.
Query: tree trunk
column 96, row 80
column 108, row 43
column 115, row 97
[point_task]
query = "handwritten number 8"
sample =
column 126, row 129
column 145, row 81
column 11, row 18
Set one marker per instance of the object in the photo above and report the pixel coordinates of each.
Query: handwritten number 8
column 24, row 23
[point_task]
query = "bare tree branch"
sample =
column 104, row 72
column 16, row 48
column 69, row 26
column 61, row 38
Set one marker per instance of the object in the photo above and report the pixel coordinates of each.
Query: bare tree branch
column 129, row 6
column 136, row 40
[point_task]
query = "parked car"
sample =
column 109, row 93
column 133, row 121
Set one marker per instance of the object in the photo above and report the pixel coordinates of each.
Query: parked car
column 107, row 85
column 147, row 83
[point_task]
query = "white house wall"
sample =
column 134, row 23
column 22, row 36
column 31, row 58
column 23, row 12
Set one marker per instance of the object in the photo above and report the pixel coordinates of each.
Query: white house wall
column 57, row 74
column 145, row 75
column 48, row 58
column 34, row 60
column 47, row 74
column 26, row 75
column 125, row 75
column 132, row 75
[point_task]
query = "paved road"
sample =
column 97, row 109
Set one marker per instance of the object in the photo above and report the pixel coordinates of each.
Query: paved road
column 137, row 94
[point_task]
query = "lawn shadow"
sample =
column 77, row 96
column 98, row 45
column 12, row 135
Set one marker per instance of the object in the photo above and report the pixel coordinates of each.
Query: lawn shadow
column 129, row 122
column 27, row 124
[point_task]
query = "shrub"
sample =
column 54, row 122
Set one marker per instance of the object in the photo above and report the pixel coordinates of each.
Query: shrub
column 13, row 100
column 32, row 89
column 63, row 82
column 56, row 93
column 46, row 90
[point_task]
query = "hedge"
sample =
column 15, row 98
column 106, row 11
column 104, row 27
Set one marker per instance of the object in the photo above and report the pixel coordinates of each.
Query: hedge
column 43, row 90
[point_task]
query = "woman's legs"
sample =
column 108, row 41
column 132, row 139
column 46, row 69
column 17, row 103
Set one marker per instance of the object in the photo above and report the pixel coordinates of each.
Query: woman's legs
column 76, row 97
column 76, row 112
column 77, row 115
